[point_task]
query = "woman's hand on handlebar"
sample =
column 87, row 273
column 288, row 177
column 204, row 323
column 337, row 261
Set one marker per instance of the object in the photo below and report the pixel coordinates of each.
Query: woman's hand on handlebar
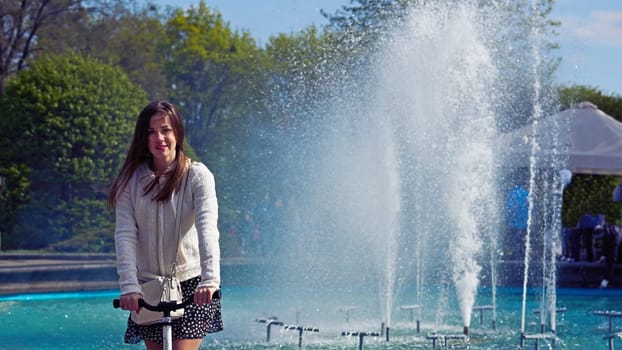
column 130, row 301
column 203, row 295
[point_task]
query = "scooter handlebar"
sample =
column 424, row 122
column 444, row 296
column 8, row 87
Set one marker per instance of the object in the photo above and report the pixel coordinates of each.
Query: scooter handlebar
column 164, row 306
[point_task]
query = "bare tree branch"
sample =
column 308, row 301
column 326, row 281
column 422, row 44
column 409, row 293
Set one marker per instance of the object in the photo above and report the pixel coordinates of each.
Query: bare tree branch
column 21, row 21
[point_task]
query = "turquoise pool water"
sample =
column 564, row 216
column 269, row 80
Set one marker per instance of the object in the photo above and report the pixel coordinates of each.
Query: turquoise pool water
column 88, row 321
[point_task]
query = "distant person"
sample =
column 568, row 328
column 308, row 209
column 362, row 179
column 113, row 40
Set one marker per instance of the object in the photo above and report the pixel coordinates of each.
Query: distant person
column 584, row 236
column 611, row 249
column 568, row 239
column 517, row 214
column 617, row 192
column 612, row 241
column 144, row 195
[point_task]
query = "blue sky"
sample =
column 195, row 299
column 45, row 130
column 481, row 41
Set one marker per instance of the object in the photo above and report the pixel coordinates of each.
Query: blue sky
column 590, row 37
column 591, row 43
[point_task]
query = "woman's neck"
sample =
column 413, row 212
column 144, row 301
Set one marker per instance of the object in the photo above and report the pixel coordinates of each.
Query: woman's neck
column 159, row 167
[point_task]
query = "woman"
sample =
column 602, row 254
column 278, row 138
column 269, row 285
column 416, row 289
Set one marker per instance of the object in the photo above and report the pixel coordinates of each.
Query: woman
column 144, row 197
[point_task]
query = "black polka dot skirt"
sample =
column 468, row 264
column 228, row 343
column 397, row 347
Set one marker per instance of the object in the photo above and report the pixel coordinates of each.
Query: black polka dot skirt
column 196, row 322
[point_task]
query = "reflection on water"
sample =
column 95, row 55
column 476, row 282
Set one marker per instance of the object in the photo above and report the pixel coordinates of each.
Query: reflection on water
column 88, row 321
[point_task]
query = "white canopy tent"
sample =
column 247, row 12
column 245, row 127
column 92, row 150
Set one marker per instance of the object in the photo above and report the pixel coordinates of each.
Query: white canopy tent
column 583, row 139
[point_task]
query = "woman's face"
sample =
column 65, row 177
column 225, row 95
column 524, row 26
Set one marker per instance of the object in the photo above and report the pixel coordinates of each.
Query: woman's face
column 162, row 141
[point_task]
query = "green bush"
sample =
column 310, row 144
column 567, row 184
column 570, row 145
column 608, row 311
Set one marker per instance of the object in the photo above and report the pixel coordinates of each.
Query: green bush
column 65, row 124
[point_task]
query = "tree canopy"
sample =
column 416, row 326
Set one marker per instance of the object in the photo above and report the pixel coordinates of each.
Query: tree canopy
column 65, row 125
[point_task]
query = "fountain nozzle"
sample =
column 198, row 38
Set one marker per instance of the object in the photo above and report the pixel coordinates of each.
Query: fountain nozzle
column 466, row 330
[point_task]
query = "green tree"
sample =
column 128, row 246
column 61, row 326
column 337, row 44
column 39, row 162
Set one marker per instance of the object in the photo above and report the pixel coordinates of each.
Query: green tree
column 210, row 68
column 571, row 95
column 366, row 20
column 590, row 194
column 303, row 72
column 65, row 124
column 124, row 36
column 218, row 80
column 13, row 194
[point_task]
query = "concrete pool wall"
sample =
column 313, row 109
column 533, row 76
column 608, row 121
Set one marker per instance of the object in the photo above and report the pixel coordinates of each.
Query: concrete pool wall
column 33, row 273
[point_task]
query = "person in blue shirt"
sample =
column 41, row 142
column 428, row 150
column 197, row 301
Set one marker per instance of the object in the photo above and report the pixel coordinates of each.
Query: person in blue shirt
column 584, row 235
column 517, row 214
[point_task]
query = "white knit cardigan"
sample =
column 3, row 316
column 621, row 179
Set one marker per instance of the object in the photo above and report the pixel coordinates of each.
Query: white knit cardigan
column 146, row 231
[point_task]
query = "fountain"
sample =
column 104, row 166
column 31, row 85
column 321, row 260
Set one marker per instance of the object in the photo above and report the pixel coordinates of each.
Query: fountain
column 400, row 184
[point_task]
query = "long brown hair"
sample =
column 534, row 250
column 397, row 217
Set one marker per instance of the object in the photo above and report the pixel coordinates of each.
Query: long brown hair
column 139, row 153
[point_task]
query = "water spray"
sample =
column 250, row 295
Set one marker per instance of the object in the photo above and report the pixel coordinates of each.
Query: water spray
column 411, row 309
column 346, row 310
column 566, row 177
column 481, row 310
column 384, row 331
